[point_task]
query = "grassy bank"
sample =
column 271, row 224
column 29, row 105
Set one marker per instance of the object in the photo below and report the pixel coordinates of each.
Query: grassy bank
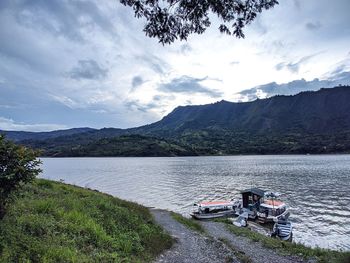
column 322, row 255
column 54, row 222
column 188, row 222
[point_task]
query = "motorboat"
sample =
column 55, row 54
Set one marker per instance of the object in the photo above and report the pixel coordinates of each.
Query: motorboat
column 272, row 209
column 213, row 209
column 283, row 230
column 261, row 205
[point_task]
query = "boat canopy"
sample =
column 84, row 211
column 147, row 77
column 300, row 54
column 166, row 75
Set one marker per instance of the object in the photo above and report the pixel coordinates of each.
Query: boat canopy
column 251, row 198
column 273, row 204
column 255, row 191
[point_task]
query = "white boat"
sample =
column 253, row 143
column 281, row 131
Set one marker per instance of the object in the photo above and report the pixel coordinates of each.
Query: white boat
column 213, row 209
column 283, row 230
column 261, row 205
column 241, row 221
column 272, row 210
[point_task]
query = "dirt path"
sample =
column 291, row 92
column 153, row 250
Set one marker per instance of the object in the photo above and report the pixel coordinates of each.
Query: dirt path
column 254, row 250
column 191, row 247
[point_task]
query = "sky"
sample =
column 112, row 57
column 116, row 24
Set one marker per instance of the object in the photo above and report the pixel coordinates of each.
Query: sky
column 66, row 63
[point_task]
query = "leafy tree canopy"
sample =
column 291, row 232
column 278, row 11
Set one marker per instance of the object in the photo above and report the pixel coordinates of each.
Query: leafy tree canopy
column 169, row 20
column 18, row 165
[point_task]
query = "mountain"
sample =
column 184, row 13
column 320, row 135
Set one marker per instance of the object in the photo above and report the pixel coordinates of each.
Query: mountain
column 324, row 111
column 309, row 122
column 22, row 135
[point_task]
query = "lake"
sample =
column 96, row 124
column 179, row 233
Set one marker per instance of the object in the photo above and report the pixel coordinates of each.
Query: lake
column 316, row 187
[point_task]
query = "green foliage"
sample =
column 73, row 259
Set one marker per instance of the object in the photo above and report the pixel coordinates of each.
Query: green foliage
column 54, row 222
column 188, row 222
column 202, row 142
column 126, row 145
column 322, row 255
column 168, row 20
column 18, row 166
column 226, row 142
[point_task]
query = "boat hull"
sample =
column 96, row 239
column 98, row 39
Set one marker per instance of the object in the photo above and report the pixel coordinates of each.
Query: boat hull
column 213, row 215
column 262, row 219
column 283, row 231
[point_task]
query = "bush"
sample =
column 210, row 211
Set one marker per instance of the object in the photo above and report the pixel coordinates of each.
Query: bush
column 18, row 166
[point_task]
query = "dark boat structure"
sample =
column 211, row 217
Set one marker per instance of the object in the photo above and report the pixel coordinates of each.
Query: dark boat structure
column 250, row 203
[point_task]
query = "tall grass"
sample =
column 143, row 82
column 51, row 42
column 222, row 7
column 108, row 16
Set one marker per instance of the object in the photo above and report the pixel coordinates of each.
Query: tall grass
column 54, row 222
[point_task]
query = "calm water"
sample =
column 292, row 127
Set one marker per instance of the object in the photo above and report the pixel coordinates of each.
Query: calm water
column 317, row 188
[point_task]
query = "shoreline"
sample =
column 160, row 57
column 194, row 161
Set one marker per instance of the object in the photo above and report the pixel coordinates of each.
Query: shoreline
column 198, row 156
column 211, row 242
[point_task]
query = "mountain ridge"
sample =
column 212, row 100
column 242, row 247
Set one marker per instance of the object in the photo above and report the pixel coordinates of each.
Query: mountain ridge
column 309, row 122
column 27, row 135
column 255, row 115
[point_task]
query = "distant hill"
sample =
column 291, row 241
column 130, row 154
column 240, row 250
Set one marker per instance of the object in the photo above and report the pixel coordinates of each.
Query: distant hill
column 22, row 135
column 131, row 145
column 309, row 122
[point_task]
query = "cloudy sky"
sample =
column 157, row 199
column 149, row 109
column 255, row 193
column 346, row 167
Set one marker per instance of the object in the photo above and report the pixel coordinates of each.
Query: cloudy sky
column 66, row 63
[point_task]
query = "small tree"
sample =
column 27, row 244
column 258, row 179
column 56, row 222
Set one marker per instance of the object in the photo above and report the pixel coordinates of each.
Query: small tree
column 169, row 20
column 18, row 166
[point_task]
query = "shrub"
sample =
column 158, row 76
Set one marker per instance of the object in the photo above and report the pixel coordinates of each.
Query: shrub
column 18, row 166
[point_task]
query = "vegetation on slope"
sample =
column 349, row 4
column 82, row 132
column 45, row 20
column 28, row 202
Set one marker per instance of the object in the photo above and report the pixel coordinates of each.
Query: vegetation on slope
column 225, row 142
column 284, row 247
column 131, row 145
column 54, row 222
column 204, row 142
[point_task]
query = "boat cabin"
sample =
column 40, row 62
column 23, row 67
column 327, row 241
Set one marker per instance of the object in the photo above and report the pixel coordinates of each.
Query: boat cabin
column 252, row 198
column 272, row 207
column 271, row 210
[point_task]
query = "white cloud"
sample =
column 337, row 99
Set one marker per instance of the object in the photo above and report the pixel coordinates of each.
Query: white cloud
column 11, row 125
column 293, row 87
column 117, row 70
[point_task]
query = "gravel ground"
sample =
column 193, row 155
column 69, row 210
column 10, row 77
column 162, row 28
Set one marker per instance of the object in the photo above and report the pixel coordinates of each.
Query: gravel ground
column 191, row 247
column 254, row 250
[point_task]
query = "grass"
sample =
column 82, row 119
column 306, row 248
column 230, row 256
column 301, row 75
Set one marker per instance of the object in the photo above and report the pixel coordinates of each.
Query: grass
column 188, row 222
column 322, row 255
column 55, row 222
column 241, row 256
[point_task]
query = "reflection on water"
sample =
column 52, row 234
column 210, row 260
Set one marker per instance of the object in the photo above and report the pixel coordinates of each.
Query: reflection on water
column 315, row 187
